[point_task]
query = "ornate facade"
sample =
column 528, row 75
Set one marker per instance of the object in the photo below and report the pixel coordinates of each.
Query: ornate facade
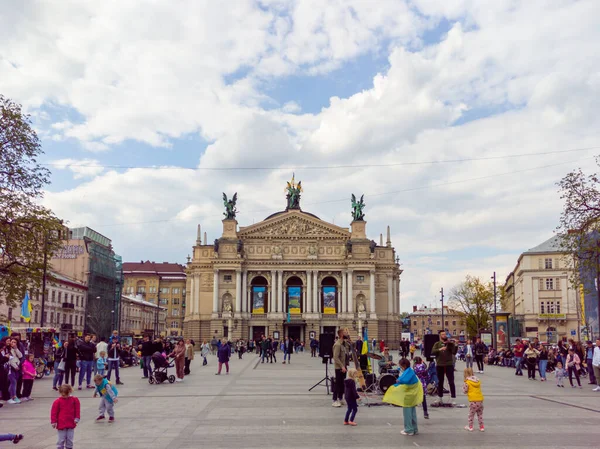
column 293, row 275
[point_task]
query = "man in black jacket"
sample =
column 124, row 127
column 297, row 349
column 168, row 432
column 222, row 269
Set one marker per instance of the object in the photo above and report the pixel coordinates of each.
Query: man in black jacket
column 148, row 348
column 480, row 351
column 86, row 350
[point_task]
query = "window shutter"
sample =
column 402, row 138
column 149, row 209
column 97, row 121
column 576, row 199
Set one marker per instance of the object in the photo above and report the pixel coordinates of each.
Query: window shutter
column 541, row 284
column 557, row 284
column 556, row 263
column 541, row 263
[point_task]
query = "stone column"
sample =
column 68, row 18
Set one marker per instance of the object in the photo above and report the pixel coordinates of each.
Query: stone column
column 244, row 291
column 196, row 293
column 316, row 305
column 216, row 292
column 309, row 300
column 280, row 299
column 390, row 294
column 372, row 292
column 351, row 292
column 273, row 294
column 191, row 296
column 398, row 295
column 343, row 308
column 238, row 291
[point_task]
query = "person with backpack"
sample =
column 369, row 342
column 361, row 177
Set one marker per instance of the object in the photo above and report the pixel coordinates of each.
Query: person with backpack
column 480, row 352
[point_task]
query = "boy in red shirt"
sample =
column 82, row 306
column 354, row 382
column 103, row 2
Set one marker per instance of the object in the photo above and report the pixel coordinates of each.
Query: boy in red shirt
column 64, row 416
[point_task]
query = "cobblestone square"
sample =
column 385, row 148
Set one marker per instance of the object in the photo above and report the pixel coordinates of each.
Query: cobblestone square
column 269, row 406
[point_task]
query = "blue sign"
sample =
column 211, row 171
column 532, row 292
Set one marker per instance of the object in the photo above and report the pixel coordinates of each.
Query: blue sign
column 573, row 333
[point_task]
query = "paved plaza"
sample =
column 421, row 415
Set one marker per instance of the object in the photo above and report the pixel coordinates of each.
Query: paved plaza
column 269, row 406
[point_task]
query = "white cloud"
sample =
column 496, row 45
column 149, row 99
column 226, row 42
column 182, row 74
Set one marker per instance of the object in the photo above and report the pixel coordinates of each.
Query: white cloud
column 83, row 168
column 160, row 75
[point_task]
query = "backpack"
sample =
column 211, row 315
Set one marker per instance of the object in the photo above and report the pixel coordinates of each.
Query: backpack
column 431, row 389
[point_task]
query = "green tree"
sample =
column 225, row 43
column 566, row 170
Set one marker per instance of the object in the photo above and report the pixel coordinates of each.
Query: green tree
column 26, row 228
column 579, row 226
column 475, row 299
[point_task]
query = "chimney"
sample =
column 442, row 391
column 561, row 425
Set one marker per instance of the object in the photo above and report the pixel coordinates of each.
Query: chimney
column 414, row 308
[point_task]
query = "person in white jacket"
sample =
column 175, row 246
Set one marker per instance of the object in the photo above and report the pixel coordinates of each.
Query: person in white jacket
column 596, row 364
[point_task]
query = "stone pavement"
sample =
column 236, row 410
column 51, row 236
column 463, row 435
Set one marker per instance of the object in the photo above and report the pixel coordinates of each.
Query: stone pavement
column 269, row 406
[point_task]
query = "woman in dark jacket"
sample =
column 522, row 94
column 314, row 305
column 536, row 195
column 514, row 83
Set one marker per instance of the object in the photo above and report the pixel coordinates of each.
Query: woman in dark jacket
column 70, row 358
column 3, row 373
column 223, row 356
column 59, row 355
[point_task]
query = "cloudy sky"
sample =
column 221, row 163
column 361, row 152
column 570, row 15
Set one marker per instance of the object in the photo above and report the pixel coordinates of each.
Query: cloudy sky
column 455, row 118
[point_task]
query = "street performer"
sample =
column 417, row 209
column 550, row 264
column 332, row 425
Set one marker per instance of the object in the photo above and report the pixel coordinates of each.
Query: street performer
column 340, row 360
column 386, row 361
column 444, row 351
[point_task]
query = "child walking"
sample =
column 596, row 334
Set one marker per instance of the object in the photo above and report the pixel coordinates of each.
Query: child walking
column 560, row 373
column 406, row 393
column 351, row 396
column 29, row 373
column 108, row 397
column 102, row 363
column 420, row 369
column 472, row 388
column 64, row 416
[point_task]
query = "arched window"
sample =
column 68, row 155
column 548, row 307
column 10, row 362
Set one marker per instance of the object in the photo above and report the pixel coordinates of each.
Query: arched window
column 294, row 295
column 260, row 295
column 329, row 295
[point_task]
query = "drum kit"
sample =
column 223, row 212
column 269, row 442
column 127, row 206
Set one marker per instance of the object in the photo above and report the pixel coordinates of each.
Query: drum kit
column 386, row 379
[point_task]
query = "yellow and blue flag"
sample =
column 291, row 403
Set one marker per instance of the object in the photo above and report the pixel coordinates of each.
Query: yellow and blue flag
column 365, row 349
column 26, row 308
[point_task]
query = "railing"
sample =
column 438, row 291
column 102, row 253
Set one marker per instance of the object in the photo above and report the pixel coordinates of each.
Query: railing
column 66, row 326
column 68, row 305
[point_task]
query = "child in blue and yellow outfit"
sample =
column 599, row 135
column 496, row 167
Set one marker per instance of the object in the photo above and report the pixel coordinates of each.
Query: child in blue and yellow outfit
column 108, row 397
column 406, row 393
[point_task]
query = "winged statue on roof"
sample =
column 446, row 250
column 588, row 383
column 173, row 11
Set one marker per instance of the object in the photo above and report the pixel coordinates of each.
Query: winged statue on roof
column 230, row 209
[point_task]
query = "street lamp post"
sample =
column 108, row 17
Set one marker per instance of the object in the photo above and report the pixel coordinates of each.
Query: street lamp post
column 442, row 300
column 494, row 337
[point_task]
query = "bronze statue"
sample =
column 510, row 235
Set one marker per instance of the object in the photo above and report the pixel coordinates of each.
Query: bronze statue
column 230, row 209
column 293, row 194
column 357, row 208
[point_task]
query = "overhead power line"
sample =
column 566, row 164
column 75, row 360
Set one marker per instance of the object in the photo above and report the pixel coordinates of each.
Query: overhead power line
column 317, row 167
column 367, row 195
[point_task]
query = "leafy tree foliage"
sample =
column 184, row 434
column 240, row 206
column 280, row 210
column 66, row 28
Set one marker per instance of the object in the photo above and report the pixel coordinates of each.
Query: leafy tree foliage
column 476, row 300
column 579, row 225
column 27, row 230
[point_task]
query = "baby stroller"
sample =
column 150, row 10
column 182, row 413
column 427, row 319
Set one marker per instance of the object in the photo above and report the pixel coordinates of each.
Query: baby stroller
column 159, row 374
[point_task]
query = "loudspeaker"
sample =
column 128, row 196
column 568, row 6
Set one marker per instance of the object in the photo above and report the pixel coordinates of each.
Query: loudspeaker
column 326, row 345
column 429, row 341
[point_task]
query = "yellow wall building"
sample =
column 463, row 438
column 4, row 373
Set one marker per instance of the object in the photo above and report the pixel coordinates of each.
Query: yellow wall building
column 163, row 282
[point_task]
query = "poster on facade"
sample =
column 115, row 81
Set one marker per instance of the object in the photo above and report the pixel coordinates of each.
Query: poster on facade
column 258, row 299
column 294, row 298
column 329, row 301
column 501, row 331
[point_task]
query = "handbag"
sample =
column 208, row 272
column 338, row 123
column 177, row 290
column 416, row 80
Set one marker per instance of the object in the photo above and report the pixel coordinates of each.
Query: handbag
column 61, row 365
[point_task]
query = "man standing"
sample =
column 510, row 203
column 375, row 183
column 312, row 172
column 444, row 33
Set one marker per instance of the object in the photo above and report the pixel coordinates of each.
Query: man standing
column 444, row 351
column 114, row 355
column 147, row 350
column 480, row 351
column 314, row 344
column 518, row 351
column 589, row 356
column 214, row 343
column 86, row 350
column 596, row 364
column 264, row 348
column 340, row 357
